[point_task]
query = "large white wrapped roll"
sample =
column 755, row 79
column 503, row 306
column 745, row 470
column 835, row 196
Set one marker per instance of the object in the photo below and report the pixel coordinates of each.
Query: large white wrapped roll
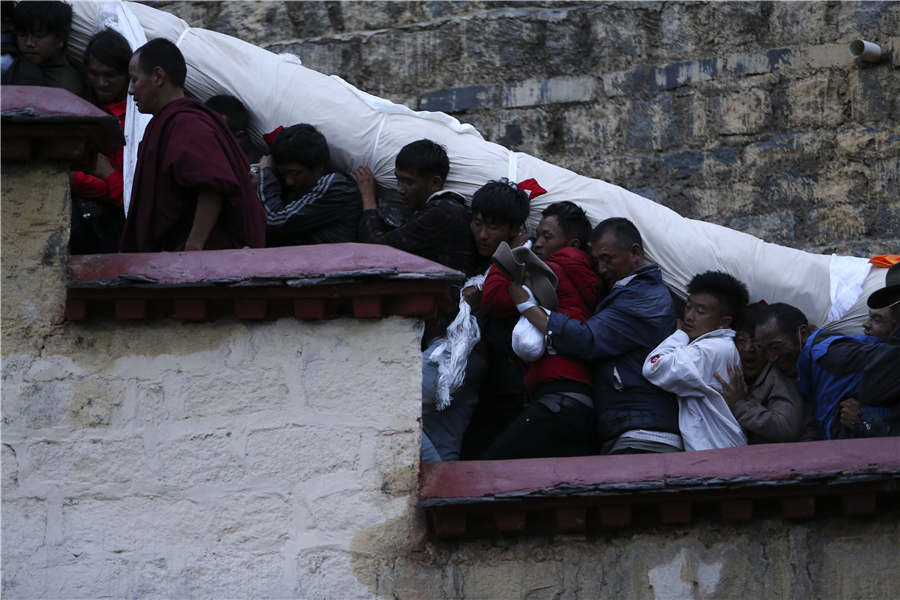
column 365, row 130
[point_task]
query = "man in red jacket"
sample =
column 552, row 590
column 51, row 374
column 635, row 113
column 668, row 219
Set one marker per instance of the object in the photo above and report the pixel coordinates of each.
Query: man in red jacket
column 559, row 420
column 97, row 195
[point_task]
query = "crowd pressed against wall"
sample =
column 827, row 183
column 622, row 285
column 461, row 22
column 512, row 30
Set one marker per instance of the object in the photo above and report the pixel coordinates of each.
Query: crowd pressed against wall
column 563, row 342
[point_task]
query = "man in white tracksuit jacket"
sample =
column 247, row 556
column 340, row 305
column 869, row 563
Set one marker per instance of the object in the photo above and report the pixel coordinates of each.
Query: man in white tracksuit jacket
column 686, row 362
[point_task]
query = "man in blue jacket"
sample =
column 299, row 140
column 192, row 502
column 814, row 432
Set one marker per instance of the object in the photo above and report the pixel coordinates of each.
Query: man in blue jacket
column 829, row 368
column 633, row 415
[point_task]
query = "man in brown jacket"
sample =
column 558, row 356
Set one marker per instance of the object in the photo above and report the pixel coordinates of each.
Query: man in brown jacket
column 764, row 401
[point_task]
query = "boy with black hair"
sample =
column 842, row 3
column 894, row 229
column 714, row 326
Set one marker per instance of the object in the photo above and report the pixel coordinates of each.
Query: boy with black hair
column 305, row 200
column 499, row 211
column 98, row 213
column 438, row 228
column 237, row 117
column 559, row 421
column 232, row 109
column 42, row 31
column 562, row 224
column 687, row 362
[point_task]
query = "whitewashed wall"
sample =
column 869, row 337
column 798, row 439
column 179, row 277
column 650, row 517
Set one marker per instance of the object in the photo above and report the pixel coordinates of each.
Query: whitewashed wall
column 214, row 460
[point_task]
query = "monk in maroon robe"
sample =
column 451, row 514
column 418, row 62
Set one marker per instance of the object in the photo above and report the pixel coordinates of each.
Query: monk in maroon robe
column 192, row 188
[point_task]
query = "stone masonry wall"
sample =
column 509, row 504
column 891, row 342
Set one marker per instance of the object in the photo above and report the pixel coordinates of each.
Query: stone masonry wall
column 748, row 114
column 833, row 559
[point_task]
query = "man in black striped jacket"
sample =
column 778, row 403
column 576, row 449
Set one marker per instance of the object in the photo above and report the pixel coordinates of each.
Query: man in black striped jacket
column 306, row 202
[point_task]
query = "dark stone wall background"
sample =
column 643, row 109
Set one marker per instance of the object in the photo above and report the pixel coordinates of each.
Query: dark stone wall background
column 748, row 114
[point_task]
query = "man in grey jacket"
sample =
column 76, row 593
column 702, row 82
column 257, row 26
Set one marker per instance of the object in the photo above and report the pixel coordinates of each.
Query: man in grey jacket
column 633, row 415
column 764, row 400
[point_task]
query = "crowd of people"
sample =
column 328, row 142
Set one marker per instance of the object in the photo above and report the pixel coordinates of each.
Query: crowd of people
column 623, row 366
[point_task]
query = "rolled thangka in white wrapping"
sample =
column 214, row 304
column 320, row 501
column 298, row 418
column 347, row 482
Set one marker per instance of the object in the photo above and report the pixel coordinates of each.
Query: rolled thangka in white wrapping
column 363, row 130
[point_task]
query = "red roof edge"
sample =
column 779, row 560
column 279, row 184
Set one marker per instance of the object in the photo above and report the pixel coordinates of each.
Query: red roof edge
column 306, row 282
column 48, row 123
column 557, row 495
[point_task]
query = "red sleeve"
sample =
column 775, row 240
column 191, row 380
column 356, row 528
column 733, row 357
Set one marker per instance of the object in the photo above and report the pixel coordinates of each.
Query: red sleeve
column 86, row 185
column 495, row 295
column 115, row 187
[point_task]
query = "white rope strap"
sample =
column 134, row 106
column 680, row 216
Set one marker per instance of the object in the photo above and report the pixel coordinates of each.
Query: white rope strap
column 513, row 167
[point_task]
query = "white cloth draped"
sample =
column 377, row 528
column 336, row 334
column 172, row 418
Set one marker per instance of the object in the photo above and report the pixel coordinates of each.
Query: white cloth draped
column 365, row 130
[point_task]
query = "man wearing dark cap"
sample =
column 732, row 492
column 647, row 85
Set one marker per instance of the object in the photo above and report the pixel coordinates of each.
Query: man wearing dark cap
column 884, row 308
column 880, row 382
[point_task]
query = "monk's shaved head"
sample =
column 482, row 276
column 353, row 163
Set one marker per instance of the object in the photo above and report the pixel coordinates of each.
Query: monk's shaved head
column 164, row 54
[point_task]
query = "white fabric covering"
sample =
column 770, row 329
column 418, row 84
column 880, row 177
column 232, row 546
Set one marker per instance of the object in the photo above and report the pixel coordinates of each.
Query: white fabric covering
column 848, row 274
column 528, row 343
column 365, row 130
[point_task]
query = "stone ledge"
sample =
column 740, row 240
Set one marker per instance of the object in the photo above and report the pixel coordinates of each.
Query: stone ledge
column 307, row 282
column 689, row 73
column 585, row 494
column 46, row 123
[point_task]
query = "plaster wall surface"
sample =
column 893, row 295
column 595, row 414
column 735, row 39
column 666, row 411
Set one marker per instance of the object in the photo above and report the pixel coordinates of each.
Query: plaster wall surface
column 752, row 115
column 221, row 460
column 170, row 459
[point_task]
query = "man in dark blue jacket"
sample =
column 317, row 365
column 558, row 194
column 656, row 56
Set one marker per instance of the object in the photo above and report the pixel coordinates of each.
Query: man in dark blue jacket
column 633, row 415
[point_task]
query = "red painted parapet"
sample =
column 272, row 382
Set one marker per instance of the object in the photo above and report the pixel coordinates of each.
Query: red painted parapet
column 48, row 123
column 733, row 466
column 296, row 266
column 557, row 495
column 306, row 282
